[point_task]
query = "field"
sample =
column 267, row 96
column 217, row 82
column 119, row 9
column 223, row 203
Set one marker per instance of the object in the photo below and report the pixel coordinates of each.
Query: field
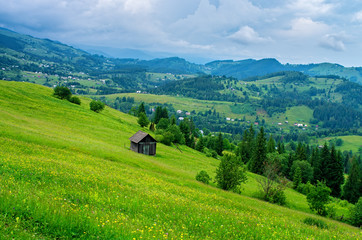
column 353, row 142
column 67, row 173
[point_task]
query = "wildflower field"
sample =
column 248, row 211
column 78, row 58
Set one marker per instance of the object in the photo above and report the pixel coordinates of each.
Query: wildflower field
column 66, row 172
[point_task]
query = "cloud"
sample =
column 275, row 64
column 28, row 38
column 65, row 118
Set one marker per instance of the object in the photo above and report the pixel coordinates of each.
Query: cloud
column 357, row 17
column 246, row 35
column 305, row 28
column 333, row 42
column 221, row 28
column 311, row 8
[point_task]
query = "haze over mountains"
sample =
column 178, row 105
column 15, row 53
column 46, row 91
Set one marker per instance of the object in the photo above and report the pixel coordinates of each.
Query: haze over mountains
column 25, row 47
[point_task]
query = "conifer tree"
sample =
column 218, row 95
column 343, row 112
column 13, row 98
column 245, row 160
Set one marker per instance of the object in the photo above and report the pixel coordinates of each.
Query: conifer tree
column 143, row 120
column 300, row 153
column 320, row 166
column 259, row 153
column 352, row 188
column 219, row 144
column 200, row 145
column 152, row 126
column 281, row 147
column 141, row 109
column 249, row 143
column 271, row 145
column 297, row 178
column 158, row 114
column 315, row 161
column 334, row 172
column 173, row 120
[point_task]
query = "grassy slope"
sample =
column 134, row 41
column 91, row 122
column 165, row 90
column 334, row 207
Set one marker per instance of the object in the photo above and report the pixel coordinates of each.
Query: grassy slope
column 67, row 172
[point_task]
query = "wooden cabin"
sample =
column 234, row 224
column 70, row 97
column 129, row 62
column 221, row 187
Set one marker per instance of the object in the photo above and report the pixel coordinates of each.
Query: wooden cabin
column 144, row 143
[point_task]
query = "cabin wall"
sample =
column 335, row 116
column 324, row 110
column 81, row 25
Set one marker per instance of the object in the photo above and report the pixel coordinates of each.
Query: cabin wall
column 134, row 147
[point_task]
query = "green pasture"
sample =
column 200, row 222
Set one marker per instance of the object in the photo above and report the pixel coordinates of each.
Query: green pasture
column 67, row 173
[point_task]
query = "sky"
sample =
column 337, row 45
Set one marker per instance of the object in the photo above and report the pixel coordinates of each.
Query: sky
column 292, row 31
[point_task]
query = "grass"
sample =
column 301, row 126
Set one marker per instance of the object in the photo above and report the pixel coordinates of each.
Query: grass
column 351, row 142
column 67, row 173
column 299, row 114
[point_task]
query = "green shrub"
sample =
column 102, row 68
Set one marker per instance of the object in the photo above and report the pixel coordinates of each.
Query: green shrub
column 229, row 174
column 318, row 197
column 305, row 188
column 167, row 138
column 356, row 214
column 315, row 222
column 62, row 92
column 96, row 105
column 202, row 176
column 75, row 100
column 277, row 195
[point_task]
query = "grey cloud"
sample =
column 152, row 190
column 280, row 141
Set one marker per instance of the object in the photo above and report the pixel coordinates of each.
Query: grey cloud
column 333, row 42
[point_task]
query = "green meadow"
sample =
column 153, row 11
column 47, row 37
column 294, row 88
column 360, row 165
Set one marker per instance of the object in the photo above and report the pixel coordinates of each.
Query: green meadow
column 66, row 172
column 352, row 142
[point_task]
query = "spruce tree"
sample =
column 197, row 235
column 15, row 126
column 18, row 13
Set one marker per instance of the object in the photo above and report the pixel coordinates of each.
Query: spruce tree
column 250, row 142
column 297, row 178
column 315, row 161
column 259, row 153
column 352, row 188
column 173, row 120
column 300, row 153
column 219, row 144
column 141, row 109
column 334, row 172
column 143, row 120
column 281, row 147
column 271, row 145
column 152, row 126
column 322, row 165
column 200, row 145
column 158, row 114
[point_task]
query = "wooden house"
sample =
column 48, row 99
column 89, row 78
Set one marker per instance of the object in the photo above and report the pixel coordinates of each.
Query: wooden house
column 142, row 142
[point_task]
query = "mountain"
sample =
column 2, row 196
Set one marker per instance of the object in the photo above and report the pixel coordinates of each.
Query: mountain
column 251, row 68
column 29, row 53
column 68, row 173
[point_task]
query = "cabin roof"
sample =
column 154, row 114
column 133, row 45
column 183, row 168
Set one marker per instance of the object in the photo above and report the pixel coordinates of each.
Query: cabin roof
column 139, row 136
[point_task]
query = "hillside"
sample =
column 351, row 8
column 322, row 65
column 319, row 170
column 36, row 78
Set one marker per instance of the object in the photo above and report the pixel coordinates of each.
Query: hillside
column 67, row 172
column 23, row 52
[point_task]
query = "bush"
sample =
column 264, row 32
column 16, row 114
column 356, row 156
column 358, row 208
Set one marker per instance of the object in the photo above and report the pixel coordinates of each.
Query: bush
column 318, row 198
column 202, row 176
column 315, row 222
column 75, row 100
column 305, row 188
column 167, row 138
column 96, row 105
column 277, row 195
column 229, row 174
column 62, row 92
column 356, row 214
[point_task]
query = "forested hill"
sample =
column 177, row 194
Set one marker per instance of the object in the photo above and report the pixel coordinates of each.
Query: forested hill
column 336, row 102
column 250, row 68
column 32, row 54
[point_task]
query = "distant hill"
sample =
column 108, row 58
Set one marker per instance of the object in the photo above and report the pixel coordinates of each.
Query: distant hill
column 29, row 53
column 250, row 68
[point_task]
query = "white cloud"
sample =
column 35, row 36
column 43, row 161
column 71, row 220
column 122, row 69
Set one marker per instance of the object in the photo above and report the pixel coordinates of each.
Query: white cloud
column 333, row 42
column 208, row 27
column 311, row 8
column 305, row 28
column 357, row 17
column 247, row 35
